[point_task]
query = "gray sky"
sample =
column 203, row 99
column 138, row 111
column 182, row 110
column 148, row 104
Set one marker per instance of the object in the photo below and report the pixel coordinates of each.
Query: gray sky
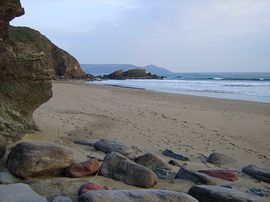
column 180, row 35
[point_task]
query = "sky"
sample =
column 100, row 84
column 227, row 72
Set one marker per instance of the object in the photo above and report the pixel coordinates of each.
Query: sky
column 180, row 35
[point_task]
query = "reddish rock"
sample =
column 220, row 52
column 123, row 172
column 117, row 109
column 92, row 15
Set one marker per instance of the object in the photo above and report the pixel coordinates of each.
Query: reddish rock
column 90, row 186
column 225, row 174
column 83, row 169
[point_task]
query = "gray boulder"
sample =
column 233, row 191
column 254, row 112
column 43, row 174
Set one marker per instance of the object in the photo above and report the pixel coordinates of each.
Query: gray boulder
column 8, row 178
column 118, row 167
column 207, row 193
column 153, row 162
column 19, row 193
column 32, row 159
column 150, row 195
column 219, row 159
column 108, row 146
column 196, row 177
column 261, row 174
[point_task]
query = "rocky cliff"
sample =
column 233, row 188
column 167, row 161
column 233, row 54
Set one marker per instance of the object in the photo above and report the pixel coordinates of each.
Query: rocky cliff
column 25, row 77
column 64, row 64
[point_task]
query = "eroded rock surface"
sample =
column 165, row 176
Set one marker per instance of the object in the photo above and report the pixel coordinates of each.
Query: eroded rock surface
column 25, row 78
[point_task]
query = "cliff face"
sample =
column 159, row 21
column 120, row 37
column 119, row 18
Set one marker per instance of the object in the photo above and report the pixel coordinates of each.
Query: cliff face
column 64, row 64
column 25, row 78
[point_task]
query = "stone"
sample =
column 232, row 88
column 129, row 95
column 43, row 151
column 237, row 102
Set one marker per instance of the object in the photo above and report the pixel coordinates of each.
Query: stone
column 261, row 174
column 174, row 163
column 137, row 195
column 118, row 167
column 8, row 178
column 165, row 174
column 19, row 193
column 90, row 186
column 107, row 146
column 219, row 159
column 170, row 153
column 61, row 199
column 2, row 150
column 85, row 168
column 35, row 159
column 86, row 142
column 225, row 174
column 258, row 192
column 153, row 162
column 196, row 177
column 25, row 79
column 208, row 193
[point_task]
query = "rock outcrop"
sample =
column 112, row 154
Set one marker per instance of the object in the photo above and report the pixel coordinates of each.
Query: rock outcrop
column 64, row 65
column 132, row 74
column 32, row 159
column 150, row 195
column 25, row 78
column 118, row 167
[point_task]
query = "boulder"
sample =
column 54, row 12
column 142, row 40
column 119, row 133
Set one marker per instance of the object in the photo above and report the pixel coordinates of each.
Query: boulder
column 150, row 195
column 85, row 168
column 196, row 177
column 225, row 174
column 207, row 193
column 90, row 186
column 153, row 162
column 2, row 150
column 33, row 159
column 19, row 193
column 61, row 199
column 219, row 159
column 170, row 153
column 261, row 174
column 107, row 146
column 118, row 167
column 8, row 178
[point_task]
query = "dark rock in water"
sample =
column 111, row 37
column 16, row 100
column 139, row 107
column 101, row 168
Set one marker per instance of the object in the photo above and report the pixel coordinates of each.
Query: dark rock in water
column 152, row 162
column 19, row 193
column 61, row 199
column 82, row 169
column 140, row 195
column 207, row 193
column 165, row 174
column 258, row 192
column 261, row 174
column 2, row 150
column 225, row 174
column 171, row 154
column 196, row 177
column 108, row 146
column 118, row 167
column 219, row 159
column 174, row 163
column 132, row 74
column 90, row 186
column 32, row 159
column 7, row 178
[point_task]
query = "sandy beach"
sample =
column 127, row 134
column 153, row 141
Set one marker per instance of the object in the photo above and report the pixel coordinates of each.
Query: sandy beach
column 191, row 125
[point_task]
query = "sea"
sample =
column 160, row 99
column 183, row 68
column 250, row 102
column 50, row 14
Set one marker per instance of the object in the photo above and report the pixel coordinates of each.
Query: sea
column 238, row 86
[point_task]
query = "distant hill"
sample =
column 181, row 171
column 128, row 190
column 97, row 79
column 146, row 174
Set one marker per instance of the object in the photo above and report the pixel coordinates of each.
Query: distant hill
column 102, row 69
